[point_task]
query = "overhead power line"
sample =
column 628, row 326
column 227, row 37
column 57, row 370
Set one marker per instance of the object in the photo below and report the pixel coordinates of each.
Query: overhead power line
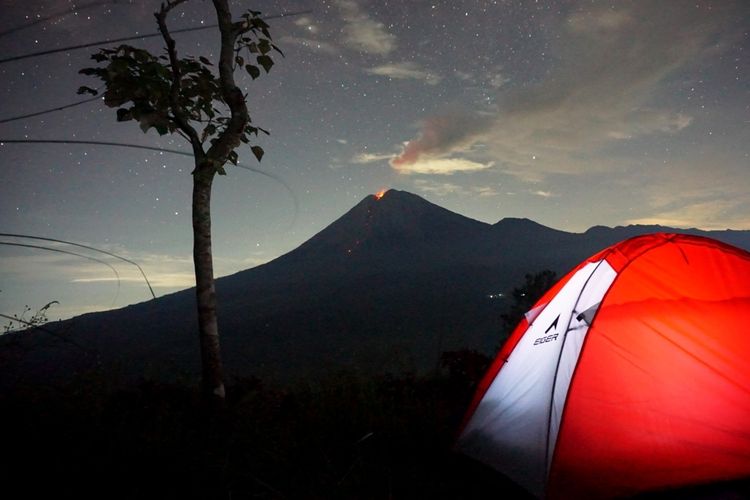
column 154, row 148
column 126, row 39
column 44, row 112
column 127, row 145
column 67, row 252
column 87, row 247
column 91, row 99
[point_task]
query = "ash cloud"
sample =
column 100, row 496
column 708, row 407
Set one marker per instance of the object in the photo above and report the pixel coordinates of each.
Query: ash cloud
column 441, row 135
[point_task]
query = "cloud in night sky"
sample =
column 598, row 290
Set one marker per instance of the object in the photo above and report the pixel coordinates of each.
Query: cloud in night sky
column 371, row 157
column 497, row 80
column 604, row 89
column 363, row 32
column 447, row 188
column 166, row 273
column 704, row 214
column 543, row 194
column 405, row 71
column 308, row 24
column 712, row 195
column 440, row 166
column 355, row 30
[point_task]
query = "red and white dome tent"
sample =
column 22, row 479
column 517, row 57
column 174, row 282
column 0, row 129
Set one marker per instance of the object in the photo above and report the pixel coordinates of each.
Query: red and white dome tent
column 632, row 374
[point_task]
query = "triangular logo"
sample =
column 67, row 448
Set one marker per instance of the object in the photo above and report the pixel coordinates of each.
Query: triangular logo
column 553, row 325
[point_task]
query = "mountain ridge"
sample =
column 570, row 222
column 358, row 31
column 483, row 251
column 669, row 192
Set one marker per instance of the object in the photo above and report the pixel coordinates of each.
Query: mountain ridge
column 388, row 286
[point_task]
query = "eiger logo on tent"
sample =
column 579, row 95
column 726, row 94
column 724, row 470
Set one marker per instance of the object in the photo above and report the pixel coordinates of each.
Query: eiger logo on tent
column 548, row 338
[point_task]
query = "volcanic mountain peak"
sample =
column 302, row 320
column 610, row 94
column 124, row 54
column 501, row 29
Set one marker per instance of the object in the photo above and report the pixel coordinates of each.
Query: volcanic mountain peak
column 395, row 274
column 390, row 219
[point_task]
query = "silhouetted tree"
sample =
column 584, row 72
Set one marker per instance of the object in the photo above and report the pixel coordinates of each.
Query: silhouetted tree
column 177, row 95
column 525, row 296
column 465, row 368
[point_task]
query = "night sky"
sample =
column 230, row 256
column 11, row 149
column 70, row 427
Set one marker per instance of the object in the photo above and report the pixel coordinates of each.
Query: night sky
column 572, row 114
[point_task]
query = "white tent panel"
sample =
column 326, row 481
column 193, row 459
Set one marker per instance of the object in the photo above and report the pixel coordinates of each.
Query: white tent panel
column 591, row 296
column 510, row 428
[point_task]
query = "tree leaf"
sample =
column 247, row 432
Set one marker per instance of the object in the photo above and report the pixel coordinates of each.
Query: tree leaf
column 252, row 71
column 204, row 61
column 264, row 46
column 257, row 151
column 208, row 131
column 124, row 114
column 99, row 57
column 87, row 90
column 113, row 99
column 266, row 62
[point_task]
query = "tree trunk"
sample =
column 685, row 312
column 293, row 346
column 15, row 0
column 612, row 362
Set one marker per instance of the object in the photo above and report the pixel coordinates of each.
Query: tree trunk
column 213, row 373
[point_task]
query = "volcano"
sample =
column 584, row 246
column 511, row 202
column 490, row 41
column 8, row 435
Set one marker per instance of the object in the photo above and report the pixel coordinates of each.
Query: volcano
column 387, row 287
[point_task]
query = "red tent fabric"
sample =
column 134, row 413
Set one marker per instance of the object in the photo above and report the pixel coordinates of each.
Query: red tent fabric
column 631, row 374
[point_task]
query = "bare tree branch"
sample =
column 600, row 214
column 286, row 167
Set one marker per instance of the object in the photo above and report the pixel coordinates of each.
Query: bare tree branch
column 180, row 115
column 229, row 139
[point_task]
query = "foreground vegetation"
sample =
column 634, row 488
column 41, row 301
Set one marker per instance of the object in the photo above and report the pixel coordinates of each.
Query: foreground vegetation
column 346, row 436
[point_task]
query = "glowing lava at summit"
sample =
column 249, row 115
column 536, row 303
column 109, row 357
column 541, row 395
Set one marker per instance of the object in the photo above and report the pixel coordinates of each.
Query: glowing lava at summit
column 380, row 194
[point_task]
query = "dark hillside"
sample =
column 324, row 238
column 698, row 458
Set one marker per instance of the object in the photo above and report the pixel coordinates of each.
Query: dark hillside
column 387, row 287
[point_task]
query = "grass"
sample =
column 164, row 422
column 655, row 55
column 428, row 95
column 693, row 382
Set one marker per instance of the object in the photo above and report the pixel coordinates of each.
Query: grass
column 344, row 436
